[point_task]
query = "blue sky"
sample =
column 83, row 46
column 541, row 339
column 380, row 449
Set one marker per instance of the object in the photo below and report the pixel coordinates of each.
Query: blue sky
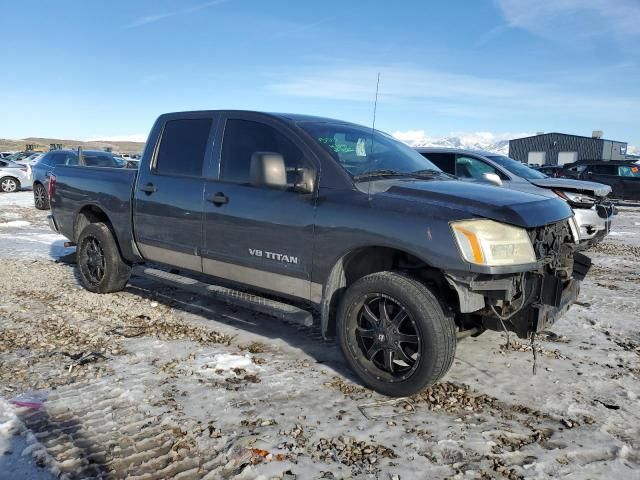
column 93, row 69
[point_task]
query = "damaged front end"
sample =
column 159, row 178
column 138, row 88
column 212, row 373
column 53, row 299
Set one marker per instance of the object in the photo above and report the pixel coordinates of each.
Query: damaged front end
column 526, row 302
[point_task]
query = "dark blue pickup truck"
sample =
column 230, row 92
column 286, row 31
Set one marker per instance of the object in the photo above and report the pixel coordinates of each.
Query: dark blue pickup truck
column 395, row 257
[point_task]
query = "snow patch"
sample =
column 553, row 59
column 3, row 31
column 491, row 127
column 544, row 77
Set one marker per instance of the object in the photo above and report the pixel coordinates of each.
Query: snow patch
column 224, row 362
column 16, row 199
column 15, row 223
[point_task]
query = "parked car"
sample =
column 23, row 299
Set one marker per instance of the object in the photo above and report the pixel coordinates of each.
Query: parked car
column 31, row 159
column 13, row 176
column 622, row 176
column 398, row 257
column 593, row 211
column 5, row 154
column 18, row 156
column 41, row 171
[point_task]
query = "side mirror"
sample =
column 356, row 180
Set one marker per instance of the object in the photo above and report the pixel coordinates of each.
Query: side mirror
column 305, row 180
column 493, row 178
column 267, row 170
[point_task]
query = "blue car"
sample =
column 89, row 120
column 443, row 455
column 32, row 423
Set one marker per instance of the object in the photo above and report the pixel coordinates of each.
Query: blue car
column 41, row 171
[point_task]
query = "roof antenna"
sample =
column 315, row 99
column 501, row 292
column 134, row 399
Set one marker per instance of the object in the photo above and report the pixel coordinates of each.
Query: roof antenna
column 373, row 128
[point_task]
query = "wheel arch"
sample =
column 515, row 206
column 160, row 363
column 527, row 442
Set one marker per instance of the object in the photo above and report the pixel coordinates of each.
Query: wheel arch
column 365, row 260
column 92, row 213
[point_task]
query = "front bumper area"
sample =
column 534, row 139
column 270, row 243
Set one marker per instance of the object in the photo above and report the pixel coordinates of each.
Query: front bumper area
column 594, row 223
column 527, row 302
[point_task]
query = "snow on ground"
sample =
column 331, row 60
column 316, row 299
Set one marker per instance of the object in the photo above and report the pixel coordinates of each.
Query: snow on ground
column 24, row 232
column 152, row 382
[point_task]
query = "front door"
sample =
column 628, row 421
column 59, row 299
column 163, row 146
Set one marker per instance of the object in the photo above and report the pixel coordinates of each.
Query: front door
column 168, row 210
column 259, row 236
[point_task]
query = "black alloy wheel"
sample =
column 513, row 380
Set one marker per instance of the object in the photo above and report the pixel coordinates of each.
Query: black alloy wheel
column 394, row 333
column 387, row 337
column 92, row 261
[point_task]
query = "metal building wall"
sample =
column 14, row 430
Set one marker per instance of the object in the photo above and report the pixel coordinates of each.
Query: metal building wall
column 553, row 143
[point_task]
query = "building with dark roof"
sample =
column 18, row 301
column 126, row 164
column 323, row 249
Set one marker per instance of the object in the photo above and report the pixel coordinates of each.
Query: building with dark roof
column 560, row 148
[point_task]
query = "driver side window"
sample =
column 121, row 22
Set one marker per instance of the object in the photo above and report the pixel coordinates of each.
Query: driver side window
column 242, row 138
column 469, row 167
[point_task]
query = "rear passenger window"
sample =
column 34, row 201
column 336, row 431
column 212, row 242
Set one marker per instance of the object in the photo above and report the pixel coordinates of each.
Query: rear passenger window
column 604, row 169
column 445, row 161
column 242, row 138
column 182, row 147
column 469, row 167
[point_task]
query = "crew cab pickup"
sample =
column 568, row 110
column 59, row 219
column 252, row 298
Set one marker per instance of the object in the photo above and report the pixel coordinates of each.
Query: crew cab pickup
column 396, row 258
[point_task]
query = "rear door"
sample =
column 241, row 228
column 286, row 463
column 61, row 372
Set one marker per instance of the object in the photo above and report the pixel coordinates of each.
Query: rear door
column 630, row 179
column 253, row 235
column 168, row 194
column 46, row 165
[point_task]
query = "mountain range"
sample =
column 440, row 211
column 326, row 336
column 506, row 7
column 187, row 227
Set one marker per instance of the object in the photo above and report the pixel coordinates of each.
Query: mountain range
column 492, row 142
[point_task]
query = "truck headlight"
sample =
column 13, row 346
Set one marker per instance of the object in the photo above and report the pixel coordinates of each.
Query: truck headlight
column 490, row 243
column 576, row 199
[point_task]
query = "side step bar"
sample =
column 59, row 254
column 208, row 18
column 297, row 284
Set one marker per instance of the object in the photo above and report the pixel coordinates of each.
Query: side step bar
column 246, row 300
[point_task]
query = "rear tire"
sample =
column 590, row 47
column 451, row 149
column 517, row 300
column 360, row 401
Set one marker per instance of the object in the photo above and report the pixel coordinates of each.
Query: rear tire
column 40, row 197
column 399, row 319
column 9, row 184
column 102, row 268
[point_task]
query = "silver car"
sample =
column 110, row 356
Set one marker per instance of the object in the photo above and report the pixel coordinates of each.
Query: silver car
column 592, row 210
column 13, row 176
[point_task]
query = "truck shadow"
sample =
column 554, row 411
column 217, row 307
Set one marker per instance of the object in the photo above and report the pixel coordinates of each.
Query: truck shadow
column 307, row 339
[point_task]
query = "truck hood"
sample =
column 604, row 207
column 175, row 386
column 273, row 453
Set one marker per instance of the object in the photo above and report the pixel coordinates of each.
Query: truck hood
column 500, row 204
column 578, row 186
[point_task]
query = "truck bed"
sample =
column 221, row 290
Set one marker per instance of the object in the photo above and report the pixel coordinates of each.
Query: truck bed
column 79, row 187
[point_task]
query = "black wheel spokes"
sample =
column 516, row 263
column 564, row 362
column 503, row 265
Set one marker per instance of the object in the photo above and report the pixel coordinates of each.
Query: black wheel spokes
column 387, row 336
column 94, row 261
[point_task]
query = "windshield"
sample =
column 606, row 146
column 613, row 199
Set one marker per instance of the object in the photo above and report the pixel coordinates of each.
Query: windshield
column 517, row 168
column 361, row 150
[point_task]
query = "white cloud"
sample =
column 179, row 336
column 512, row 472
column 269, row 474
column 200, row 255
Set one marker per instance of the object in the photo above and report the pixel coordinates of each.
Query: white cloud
column 161, row 16
column 445, row 93
column 136, row 137
column 573, row 18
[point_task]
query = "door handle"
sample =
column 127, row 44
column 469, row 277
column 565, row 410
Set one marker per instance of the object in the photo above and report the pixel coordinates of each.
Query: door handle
column 149, row 188
column 218, row 199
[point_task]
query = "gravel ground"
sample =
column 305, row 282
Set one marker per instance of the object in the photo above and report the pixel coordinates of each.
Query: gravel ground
column 155, row 383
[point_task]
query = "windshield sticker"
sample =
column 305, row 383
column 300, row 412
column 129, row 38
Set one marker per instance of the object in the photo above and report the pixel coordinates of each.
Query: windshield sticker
column 338, row 148
column 361, row 150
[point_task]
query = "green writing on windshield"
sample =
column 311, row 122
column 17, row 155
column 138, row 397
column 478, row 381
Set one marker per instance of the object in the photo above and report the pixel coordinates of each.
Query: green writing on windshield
column 337, row 147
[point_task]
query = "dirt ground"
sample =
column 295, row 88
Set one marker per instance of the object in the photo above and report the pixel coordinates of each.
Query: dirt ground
column 154, row 383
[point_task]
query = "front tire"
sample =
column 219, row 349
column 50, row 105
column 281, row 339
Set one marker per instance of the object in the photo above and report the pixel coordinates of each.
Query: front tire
column 102, row 268
column 9, row 184
column 40, row 197
column 394, row 334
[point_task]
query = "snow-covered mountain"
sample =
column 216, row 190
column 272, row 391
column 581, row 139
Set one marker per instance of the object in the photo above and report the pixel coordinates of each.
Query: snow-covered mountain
column 492, row 142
